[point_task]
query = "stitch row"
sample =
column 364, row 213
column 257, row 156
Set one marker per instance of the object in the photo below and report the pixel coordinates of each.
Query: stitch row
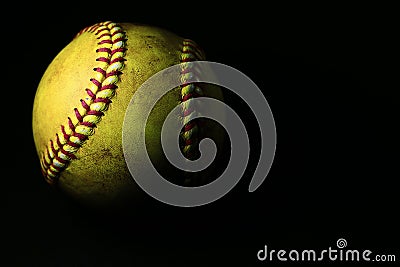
column 111, row 51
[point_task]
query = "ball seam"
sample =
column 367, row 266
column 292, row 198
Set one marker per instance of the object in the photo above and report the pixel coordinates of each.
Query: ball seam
column 190, row 133
column 101, row 89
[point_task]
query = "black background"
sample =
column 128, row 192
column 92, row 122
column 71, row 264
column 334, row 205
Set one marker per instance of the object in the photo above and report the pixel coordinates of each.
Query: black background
column 329, row 74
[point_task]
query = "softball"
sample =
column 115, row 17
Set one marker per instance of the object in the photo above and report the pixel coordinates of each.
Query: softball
column 81, row 100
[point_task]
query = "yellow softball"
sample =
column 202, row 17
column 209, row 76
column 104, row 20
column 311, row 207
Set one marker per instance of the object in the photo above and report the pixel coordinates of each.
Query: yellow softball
column 82, row 98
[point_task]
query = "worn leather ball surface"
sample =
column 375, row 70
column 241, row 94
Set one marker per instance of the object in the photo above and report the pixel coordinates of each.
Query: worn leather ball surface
column 81, row 101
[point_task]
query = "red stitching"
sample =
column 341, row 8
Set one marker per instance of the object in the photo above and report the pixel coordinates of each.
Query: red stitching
column 95, row 82
column 103, row 59
column 70, row 124
column 73, row 144
column 90, row 93
column 118, row 59
column 118, row 50
column 188, row 126
column 186, row 60
column 88, row 29
column 56, row 167
column 100, row 70
column 108, row 86
column 85, row 105
column 103, row 100
column 44, row 159
column 78, row 115
column 95, row 112
column 195, row 53
column 103, row 49
column 94, row 28
column 185, row 71
column 107, row 41
column 51, row 170
column 188, row 96
column 112, row 73
column 119, row 40
column 65, row 135
column 58, row 140
column 189, row 141
column 60, row 160
column 68, row 154
column 101, row 30
column 48, row 153
column 187, row 112
column 104, row 34
column 52, row 147
column 81, row 137
column 88, row 124
column 118, row 31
